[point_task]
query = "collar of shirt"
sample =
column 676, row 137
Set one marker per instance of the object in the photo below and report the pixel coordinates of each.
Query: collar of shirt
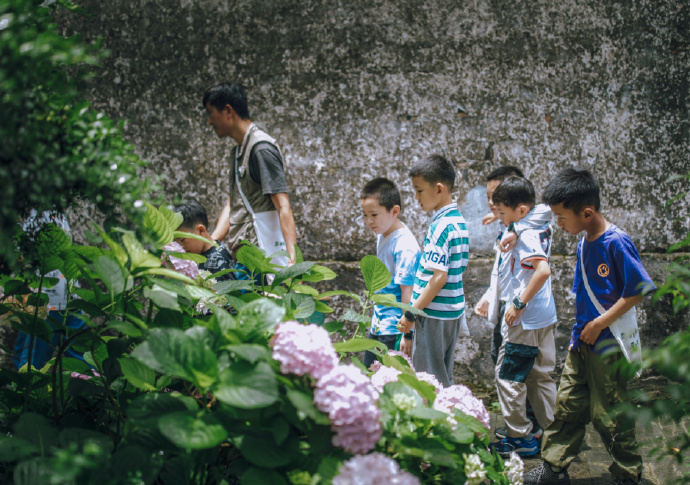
column 444, row 210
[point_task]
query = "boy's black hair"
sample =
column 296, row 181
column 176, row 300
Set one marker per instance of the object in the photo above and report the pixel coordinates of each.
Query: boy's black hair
column 514, row 191
column 435, row 168
column 502, row 173
column 193, row 213
column 384, row 191
column 573, row 188
column 227, row 93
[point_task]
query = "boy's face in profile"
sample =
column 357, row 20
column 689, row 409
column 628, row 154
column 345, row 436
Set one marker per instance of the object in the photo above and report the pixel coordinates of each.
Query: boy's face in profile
column 377, row 217
column 568, row 220
column 508, row 215
column 428, row 195
column 191, row 245
column 491, row 186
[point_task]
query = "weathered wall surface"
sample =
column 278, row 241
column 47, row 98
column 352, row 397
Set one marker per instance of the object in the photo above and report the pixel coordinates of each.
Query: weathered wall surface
column 359, row 89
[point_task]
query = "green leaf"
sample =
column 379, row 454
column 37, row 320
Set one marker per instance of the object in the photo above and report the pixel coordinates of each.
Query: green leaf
column 352, row 316
column 358, row 345
column 247, row 386
column 304, row 404
column 292, row 272
column 138, row 374
column 138, row 255
column 428, row 413
column 82, row 436
column 228, row 286
column 115, row 248
column 319, row 273
column 157, row 223
column 16, row 449
column 111, row 273
column 197, row 258
column 192, row 433
column 376, row 275
column 36, row 430
column 333, row 326
column 124, row 328
column 261, row 451
column 329, row 294
column 260, row 316
column 89, row 308
column 305, row 290
column 162, row 298
column 175, row 219
column 249, row 352
column 172, row 351
column 188, row 235
column 262, row 476
column 197, row 292
column 169, row 273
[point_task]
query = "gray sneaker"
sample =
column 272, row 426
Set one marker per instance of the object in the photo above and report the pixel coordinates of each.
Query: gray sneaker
column 543, row 475
column 502, row 432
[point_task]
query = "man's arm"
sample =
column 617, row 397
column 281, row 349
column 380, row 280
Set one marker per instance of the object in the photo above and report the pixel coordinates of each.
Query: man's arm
column 437, row 281
column 591, row 332
column 223, row 225
column 405, row 296
column 539, row 216
column 287, row 223
column 542, row 271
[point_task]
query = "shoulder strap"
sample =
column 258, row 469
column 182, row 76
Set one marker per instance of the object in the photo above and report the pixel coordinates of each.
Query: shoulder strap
column 239, row 186
column 593, row 298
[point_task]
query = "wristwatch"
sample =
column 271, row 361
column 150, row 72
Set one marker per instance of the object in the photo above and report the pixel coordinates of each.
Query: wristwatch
column 518, row 304
column 410, row 316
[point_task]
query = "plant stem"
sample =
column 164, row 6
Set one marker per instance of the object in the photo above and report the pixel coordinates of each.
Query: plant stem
column 32, row 341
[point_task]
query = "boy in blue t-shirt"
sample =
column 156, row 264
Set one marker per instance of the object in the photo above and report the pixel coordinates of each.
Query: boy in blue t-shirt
column 438, row 289
column 591, row 384
column 398, row 249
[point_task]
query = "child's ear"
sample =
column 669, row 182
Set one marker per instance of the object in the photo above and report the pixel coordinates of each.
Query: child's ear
column 395, row 210
column 440, row 187
column 588, row 213
column 200, row 229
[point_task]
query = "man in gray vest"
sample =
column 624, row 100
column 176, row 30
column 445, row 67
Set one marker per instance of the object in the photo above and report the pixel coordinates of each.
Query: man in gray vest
column 257, row 177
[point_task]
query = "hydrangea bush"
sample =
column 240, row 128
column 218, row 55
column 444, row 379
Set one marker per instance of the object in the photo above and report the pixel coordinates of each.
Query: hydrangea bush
column 242, row 392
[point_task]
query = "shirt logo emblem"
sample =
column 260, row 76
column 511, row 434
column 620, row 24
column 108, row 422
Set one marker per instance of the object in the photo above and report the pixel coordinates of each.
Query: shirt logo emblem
column 603, row 270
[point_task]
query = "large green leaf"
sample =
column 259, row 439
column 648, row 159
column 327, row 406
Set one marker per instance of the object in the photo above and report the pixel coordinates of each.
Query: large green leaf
column 154, row 405
column 259, row 316
column 172, row 351
column 254, row 259
column 228, row 286
column 16, row 449
column 115, row 248
column 247, row 386
column 376, row 275
column 358, row 345
column 36, row 471
column 157, row 223
column 262, row 451
column 425, row 389
column 352, row 316
column 262, row 476
column 51, row 241
column 138, row 255
column 189, row 432
column 169, row 273
column 175, row 219
column 292, row 272
column 304, row 404
column 329, row 294
column 162, row 298
column 111, row 273
column 138, row 374
column 249, row 352
column 82, row 436
column 37, row 430
column 197, row 258
column 319, row 273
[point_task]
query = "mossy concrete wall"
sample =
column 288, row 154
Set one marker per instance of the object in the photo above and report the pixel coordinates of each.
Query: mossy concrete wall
column 358, row 89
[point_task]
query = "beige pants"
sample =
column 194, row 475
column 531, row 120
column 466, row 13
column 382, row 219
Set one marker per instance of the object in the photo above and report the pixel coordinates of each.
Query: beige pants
column 525, row 360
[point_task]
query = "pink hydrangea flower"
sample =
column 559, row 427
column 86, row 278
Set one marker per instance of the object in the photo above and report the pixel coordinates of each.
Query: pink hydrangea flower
column 376, row 365
column 84, row 377
column 184, row 266
column 349, row 399
column 303, row 349
column 430, row 379
column 383, row 376
column 373, row 469
column 461, row 398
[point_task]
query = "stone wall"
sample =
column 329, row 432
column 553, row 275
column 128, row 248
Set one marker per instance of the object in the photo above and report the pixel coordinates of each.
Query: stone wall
column 360, row 89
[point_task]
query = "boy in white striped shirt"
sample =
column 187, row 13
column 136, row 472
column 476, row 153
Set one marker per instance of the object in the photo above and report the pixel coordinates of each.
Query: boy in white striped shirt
column 438, row 283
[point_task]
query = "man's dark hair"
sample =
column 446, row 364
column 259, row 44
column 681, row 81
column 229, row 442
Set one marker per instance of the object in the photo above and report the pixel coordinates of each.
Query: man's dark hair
column 384, row 191
column 502, row 173
column 433, row 169
column 514, row 191
column 193, row 213
column 573, row 188
column 227, row 93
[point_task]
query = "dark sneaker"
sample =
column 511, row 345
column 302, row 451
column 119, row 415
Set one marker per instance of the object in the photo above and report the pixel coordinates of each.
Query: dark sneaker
column 626, row 481
column 526, row 446
column 543, row 475
column 502, row 432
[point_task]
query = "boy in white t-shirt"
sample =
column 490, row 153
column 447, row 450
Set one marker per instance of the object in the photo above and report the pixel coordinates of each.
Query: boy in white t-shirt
column 398, row 249
column 528, row 354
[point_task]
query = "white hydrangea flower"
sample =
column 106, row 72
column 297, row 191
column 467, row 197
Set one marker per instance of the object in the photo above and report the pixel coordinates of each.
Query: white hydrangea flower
column 474, row 469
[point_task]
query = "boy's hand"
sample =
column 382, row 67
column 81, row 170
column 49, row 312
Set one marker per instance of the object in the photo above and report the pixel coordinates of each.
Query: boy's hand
column 508, row 241
column 512, row 315
column 489, row 218
column 404, row 325
column 406, row 346
column 482, row 308
column 591, row 332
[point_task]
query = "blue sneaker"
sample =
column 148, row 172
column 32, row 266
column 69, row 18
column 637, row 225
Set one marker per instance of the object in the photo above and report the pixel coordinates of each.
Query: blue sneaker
column 526, row 446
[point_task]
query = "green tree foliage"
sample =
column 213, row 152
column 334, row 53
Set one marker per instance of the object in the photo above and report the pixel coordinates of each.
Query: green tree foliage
column 55, row 150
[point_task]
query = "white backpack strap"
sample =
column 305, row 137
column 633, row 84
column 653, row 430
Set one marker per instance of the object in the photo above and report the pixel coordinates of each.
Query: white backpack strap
column 593, row 298
column 239, row 187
